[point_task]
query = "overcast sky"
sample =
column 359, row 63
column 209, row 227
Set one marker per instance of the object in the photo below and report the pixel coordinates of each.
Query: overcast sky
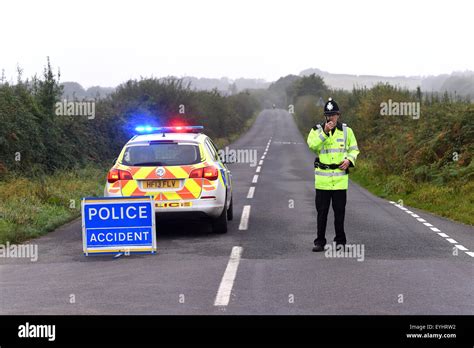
column 104, row 43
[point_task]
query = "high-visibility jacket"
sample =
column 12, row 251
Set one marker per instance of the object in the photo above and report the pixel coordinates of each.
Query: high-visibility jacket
column 333, row 149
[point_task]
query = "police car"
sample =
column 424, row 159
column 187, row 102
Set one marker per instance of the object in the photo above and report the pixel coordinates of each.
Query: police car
column 181, row 168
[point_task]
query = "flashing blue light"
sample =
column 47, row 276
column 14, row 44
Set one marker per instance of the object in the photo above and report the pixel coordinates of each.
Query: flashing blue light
column 176, row 129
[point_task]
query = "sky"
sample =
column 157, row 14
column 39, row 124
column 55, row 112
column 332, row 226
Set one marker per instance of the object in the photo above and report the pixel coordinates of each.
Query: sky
column 105, row 43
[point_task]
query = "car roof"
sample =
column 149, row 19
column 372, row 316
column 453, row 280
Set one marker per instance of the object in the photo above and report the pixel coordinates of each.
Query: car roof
column 196, row 137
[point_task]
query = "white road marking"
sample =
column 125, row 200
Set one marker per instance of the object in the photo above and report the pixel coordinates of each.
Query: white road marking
column 244, row 220
column 258, row 169
column 444, row 235
column 263, row 157
column 255, row 178
column 227, row 282
column 251, row 192
column 260, row 163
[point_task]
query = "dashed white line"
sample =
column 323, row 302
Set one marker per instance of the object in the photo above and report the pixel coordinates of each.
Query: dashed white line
column 444, row 235
column 255, row 178
column 258, row 169
column 260, row 163
column 263, row 157
column 251, row 192
column 244, row 219
column 227, row 282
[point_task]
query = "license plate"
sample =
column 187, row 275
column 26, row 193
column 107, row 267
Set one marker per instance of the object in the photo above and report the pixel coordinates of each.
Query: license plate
column 159, row 184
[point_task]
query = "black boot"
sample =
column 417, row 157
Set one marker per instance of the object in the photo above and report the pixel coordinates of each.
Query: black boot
column 318, row 248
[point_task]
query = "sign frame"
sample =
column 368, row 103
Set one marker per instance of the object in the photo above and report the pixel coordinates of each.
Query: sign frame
column 115, row 249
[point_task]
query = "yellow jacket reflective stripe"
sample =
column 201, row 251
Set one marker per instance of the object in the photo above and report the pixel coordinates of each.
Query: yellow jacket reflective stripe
column 333, row 149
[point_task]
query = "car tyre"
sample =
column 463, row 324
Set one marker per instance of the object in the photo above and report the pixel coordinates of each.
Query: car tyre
column 230, row 211
column 219, row 225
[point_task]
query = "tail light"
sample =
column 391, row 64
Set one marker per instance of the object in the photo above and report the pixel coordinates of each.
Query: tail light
column 117, row 174
column 210, row 173
column 196, row 173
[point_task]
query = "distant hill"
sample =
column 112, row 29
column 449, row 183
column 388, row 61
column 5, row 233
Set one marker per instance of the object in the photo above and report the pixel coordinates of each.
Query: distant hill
column 73, row 90
column 224, row 85
column 460, row 83
column 347, row 81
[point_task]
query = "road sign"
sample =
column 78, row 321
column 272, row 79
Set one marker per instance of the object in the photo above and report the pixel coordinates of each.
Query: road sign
column 118, row 224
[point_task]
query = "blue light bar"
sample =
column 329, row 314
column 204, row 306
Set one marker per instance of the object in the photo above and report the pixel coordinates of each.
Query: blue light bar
column 176, row 129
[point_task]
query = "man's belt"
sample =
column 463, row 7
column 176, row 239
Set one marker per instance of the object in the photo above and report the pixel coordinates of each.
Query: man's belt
column 320, row 165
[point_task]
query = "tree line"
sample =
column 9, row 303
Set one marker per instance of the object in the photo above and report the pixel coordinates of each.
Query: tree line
column 34, row 139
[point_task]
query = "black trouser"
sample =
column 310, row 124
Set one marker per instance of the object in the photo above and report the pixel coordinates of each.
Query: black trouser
column 323, row 200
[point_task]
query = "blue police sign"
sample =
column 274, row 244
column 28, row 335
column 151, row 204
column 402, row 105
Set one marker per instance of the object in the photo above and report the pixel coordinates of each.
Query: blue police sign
column 118, row 224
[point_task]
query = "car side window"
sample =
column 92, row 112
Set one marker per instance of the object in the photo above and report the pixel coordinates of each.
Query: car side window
column 217, row 152
column 213, row 146
column 211, row 149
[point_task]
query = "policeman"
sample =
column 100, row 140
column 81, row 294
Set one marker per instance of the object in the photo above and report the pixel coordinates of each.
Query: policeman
column 336, row 150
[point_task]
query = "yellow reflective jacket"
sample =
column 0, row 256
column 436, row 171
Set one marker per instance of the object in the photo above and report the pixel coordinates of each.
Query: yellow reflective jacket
column 333, row 149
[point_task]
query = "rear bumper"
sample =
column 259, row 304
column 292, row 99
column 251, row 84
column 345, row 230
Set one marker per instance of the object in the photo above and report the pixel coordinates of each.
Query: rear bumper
column 198, row 207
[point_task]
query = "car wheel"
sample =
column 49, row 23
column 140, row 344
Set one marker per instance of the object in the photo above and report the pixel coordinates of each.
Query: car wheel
column 219, row 225
column 230, row 211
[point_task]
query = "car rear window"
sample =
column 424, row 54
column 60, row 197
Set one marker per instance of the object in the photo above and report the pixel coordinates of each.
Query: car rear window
column 156, row 154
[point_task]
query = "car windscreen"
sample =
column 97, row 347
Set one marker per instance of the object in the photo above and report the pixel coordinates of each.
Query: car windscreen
column 164, row 154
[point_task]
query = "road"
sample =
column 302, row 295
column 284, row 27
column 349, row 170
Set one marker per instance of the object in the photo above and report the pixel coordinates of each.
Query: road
column 263, row 265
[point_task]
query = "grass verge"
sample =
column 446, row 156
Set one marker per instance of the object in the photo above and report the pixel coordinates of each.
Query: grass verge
column 453, row 201
column 30, row 207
